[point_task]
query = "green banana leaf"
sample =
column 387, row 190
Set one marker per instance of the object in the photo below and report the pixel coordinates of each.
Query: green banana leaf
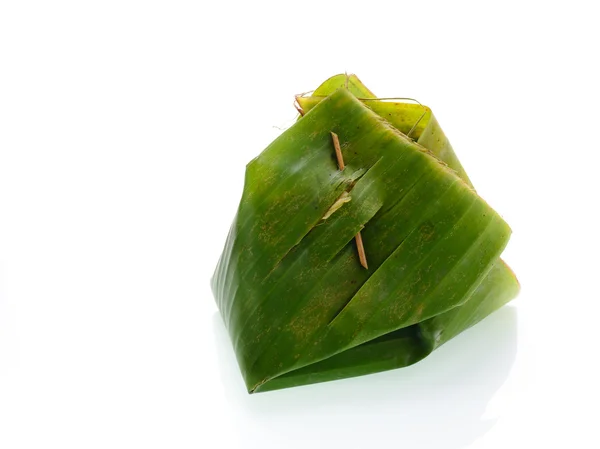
column 500, row 285
column 429, row 134
column 297, row 304
column 411, row 118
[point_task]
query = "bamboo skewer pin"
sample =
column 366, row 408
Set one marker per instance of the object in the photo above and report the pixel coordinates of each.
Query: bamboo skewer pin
column 361, row 250
column 338, row 151
column 340, row 160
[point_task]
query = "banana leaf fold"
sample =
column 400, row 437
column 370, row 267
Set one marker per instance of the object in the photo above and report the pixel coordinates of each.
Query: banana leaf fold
column 297, row 303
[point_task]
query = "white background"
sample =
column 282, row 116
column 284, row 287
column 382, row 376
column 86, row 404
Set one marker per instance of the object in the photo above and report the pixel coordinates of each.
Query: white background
column 124, row 131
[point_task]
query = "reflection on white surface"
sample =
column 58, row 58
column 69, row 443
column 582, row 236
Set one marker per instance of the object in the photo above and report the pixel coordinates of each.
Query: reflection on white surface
column 439, row 402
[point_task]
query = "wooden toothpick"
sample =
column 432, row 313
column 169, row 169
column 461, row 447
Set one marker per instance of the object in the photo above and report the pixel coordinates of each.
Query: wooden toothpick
column 361, row 251
column 340, row 160
column 338, row 151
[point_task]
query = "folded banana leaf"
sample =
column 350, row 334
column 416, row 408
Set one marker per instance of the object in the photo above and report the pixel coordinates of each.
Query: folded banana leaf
column 298, row 305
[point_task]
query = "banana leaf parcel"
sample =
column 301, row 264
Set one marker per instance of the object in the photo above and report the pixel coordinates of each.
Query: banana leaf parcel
column 296, row 297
